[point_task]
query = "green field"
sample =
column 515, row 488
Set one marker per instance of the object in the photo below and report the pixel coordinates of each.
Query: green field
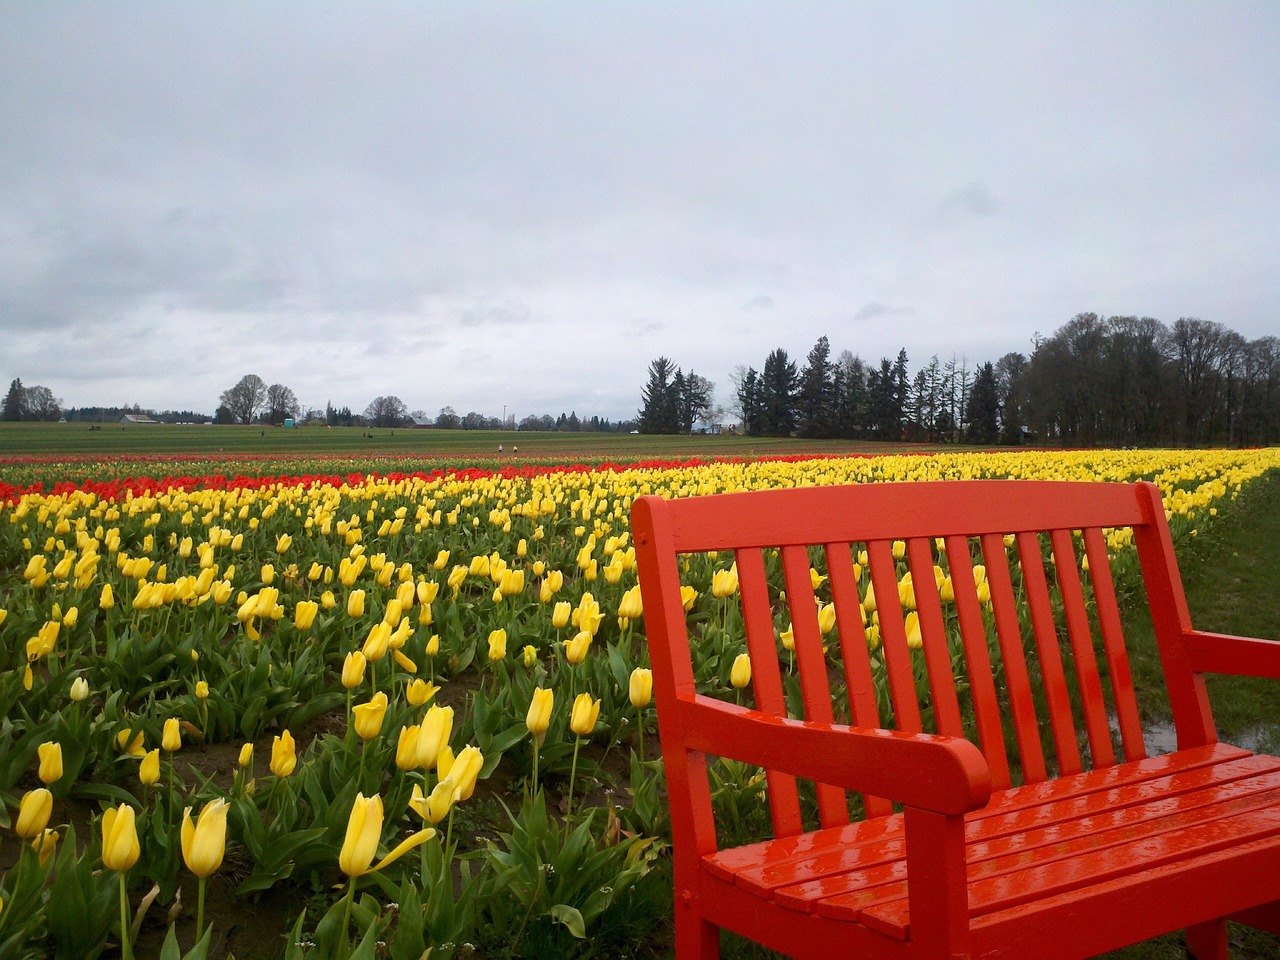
column 77, row 439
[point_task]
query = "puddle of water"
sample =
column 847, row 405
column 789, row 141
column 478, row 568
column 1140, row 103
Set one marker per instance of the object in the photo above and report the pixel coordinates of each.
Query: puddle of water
column 1161, row 738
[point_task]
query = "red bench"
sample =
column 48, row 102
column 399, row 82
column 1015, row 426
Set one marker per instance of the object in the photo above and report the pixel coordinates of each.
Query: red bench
column 1064, row 839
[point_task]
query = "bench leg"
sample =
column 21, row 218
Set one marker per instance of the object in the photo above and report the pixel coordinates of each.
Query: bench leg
column 1208, row 940
column 696, row 939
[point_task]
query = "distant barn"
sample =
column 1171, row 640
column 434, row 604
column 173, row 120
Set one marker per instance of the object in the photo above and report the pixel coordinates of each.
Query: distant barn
column 137, row 418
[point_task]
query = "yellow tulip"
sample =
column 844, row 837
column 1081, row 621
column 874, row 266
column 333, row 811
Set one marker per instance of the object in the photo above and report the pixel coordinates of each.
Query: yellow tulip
column 149, row 769
column 133, row 746
column 328, row 600
column 631, row 606
column 304, row 614
column 283, row 542
column 368, row 716
column 641, row 687
column 560, row 614
column 246, row 755
column 465, row 770
column 539, row 716
column 284, row 756
column 419, row 692
column 50, row 762
column 392, row 614
column 378, row 642
column 724, row 583
column 205, row 841
column 575, row 650
column 433, row 645
column 120, row 849
column 437, row 728
column 407, row 747
column 740, row 673
column 914, row 638
column 33, row 813
column 71, row 616
column 586, row 710
column 437, row 805
column 353, row 670
column 171, row 739
column 355, row 604
column 202, row 689
column 364, row 833
column 45, row 845
column 529, row 656
column 826, row 618
column 79, row 689
column 497, row 645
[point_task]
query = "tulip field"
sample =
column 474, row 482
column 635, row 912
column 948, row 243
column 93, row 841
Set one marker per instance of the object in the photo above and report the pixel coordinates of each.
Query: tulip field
column 314, row 714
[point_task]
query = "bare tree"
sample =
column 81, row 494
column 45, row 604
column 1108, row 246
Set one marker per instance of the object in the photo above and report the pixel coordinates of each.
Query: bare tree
column 39, row 403
column 246, row 398
column 282, row 404
column 387, row 412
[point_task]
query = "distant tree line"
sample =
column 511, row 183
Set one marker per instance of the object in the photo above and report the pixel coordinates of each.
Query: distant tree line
column 1118, row 381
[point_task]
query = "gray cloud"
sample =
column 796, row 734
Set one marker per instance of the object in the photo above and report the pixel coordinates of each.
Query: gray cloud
column 472, row 204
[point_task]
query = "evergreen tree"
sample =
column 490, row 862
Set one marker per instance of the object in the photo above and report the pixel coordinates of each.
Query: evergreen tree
column 659, row 412
column 777, row 395
column 815, row 415
column 983, row 410
column 14, row 401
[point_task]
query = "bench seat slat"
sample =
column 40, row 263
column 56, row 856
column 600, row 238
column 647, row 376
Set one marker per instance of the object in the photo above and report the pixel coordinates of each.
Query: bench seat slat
column 1074, row 869
column 769, row 866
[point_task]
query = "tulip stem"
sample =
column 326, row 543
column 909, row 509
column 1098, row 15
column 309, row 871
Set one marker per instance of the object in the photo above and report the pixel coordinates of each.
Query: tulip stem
column 346, row 916
column 200, row 908
column 126, row 950
column 537, row 741
column 573, row 773
column 640, row 731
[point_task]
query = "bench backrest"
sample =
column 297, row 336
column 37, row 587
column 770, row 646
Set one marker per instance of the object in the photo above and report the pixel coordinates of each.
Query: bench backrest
column 949, row 606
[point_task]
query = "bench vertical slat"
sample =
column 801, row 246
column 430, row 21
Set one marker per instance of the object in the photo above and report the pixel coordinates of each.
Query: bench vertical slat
column 973, row 633
column 933, row 630
column 815, row 689
column 855, row 655
column 1188, row 698
column 766, row 680
column 1104, row 601
column 1053, row 678
column 1101, row 751
column 1017, row 682
column 893, row 637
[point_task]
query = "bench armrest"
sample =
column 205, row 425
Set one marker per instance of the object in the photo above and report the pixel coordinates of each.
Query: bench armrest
column 947, row 775
column 1222, row 653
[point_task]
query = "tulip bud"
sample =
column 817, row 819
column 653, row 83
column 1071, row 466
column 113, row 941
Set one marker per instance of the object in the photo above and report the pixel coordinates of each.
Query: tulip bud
column 45, row 845
column 50, row 762
column 433, row 740
column 79, row 689
column 740, row 673
column 205, row 841
column 529, row 656
column 202, row 689
column 108, row 598
column 149, row 769
column 641, row 687
column 120, row 849
column 539, row 715
column 304, row 614
column 33, row 813
column 171, row 739
column 407, row 747
column 433, row 645
column 575, row 651
column 353, row 669
column 364, row 833
column 561, row 613
column 246, row 756
column 586, row 710
column 284, row 757
column 465, row 770
column 497, row 645
column 368, row 716
column 355, row 604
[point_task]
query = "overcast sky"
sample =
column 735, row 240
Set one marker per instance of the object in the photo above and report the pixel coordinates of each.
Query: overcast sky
column 481, row 205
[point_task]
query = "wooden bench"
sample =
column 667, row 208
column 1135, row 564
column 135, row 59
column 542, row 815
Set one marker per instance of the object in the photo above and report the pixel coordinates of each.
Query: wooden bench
column 999, row 801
